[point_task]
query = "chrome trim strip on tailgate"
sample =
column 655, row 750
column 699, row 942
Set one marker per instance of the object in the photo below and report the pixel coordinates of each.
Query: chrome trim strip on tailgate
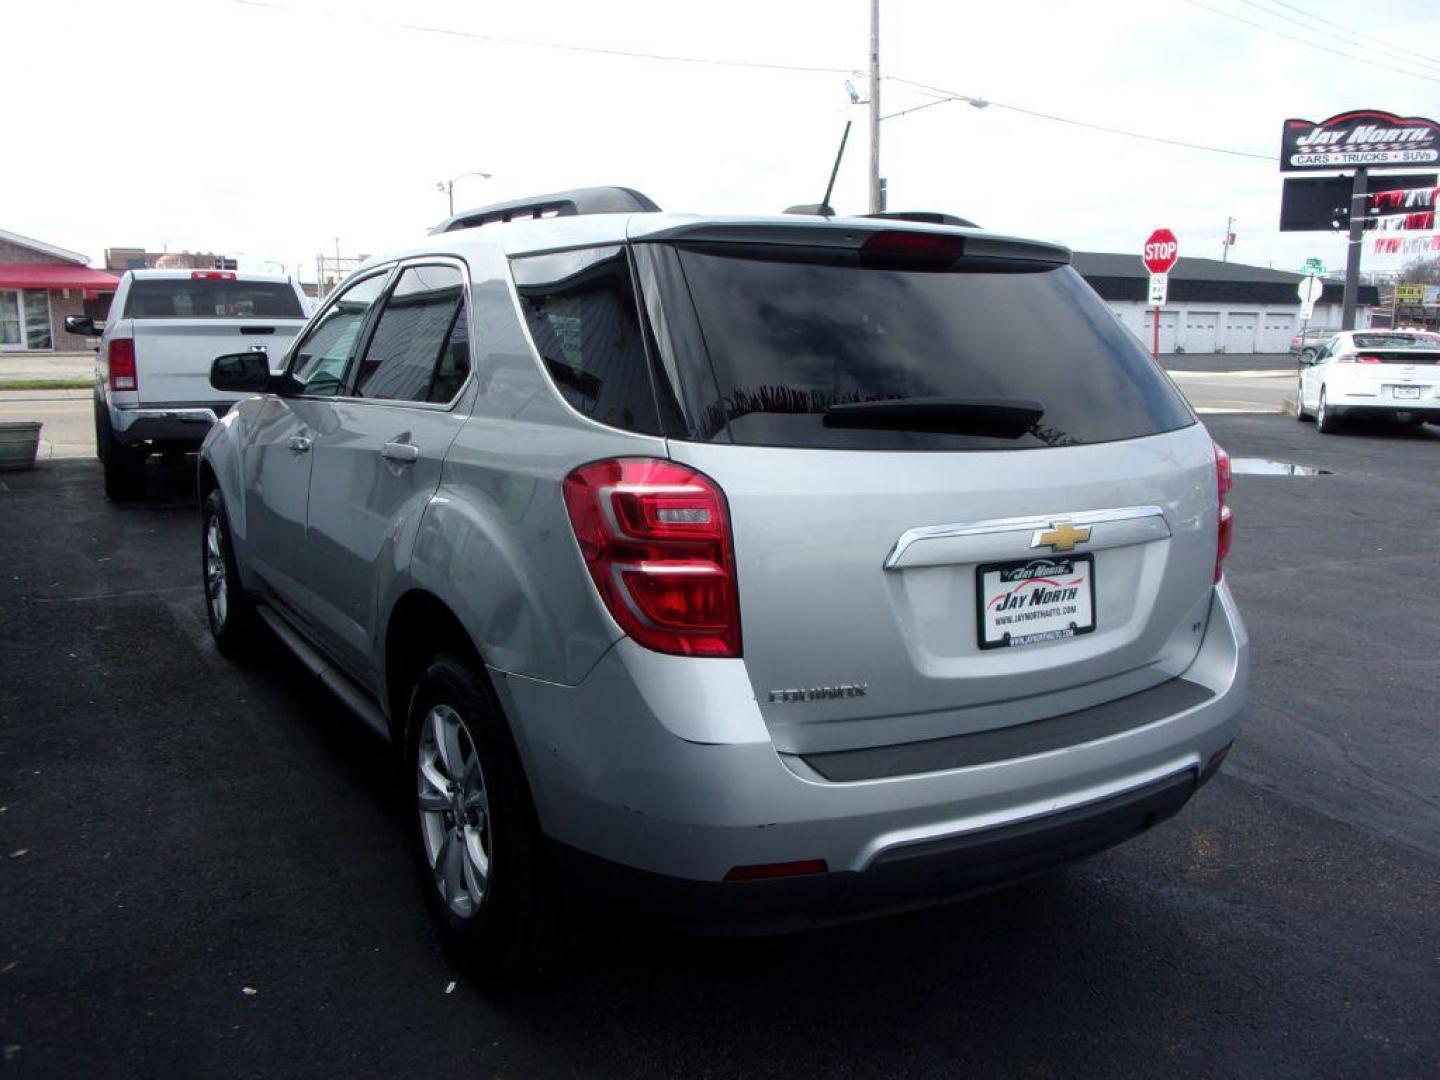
column 936, row 545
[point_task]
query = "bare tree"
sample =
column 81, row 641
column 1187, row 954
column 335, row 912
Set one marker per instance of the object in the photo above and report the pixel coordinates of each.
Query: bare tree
column 1421, row 271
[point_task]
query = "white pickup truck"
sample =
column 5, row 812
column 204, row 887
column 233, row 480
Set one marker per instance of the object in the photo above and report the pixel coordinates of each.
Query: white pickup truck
column 152, row 370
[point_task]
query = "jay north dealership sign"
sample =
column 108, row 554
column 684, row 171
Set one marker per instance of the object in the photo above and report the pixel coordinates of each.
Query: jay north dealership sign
column 1362, row 137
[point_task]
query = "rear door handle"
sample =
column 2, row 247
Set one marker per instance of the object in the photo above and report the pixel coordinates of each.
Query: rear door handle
column 300, row 444
column 400, row 451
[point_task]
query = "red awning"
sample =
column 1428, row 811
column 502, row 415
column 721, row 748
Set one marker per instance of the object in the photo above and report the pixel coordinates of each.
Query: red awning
column 51, row 276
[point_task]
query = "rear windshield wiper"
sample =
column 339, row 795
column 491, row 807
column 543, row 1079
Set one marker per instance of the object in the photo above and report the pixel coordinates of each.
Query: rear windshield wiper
column 1001, row 418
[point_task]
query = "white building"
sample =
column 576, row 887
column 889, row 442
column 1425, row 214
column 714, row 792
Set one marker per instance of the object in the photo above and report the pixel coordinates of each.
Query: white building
column 1214, row 306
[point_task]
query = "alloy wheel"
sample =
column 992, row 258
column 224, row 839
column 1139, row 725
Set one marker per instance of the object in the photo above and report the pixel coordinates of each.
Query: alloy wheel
column 217, row 592
column 454, row 809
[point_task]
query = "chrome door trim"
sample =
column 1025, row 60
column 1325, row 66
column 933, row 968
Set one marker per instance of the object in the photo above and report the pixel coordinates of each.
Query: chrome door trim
column 1144, row 523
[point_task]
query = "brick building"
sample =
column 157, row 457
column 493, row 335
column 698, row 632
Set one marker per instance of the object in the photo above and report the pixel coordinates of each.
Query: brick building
column 40, row 284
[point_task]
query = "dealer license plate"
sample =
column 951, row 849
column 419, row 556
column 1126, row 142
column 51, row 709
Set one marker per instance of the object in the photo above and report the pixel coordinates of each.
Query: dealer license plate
column 1037, row 600
column 1405, row 391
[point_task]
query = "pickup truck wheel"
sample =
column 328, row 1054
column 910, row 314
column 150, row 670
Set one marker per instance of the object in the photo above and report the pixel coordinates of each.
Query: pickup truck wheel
column 99, row 431
column 479, row 851
column 124, row 465
column 227, row 608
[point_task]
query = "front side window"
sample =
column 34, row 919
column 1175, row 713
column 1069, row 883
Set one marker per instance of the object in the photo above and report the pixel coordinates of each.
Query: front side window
column 420, row 350
column 580, row 307
column 320, row 360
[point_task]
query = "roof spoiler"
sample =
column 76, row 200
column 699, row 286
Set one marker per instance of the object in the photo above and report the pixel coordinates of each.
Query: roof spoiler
column 593, row 200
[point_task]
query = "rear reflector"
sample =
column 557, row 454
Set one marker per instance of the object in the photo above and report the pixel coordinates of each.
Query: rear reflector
column 763, row 871
column 121, row 358
column 213, row 275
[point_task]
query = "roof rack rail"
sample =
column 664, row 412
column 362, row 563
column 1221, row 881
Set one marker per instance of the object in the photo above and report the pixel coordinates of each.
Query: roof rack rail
column 593, row 200
column 927, row 217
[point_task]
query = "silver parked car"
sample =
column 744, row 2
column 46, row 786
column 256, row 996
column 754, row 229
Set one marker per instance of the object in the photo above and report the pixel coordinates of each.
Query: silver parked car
column 760, row 571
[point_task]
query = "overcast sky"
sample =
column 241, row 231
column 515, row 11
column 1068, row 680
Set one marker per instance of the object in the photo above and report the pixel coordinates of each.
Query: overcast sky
column 269, row 130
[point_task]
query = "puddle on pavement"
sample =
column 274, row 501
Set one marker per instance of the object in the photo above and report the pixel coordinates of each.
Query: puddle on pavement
column 1254, row 466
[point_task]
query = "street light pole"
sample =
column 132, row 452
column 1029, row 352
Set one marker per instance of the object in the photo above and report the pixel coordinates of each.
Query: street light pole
column 877, row 202
column 448, row 186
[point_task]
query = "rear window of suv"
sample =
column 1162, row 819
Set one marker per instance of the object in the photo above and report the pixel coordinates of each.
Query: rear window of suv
column 772, row 343
column 196, row 298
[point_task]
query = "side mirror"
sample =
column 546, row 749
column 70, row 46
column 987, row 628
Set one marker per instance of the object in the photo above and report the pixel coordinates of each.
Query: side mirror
column 83, row 325
column 241, row 372
column 1307, row 357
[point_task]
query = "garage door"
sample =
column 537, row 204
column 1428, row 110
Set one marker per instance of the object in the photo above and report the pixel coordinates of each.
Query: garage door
column 1169, row 330
column 1200, row 330
column 1276, row 330
column 1240, row 332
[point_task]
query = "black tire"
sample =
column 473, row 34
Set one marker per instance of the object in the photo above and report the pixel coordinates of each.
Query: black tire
column 1300, row 413
column 233, row 623
column 1325, row 421
column 124, row 465
column 99, row 432
column 516, row 924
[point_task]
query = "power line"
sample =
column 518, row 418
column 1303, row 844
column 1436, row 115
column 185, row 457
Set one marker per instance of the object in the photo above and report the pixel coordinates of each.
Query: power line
column 1348, row 30
column 500, row 39
column 1323, row 48
column 1346, row 37
column 950, row 95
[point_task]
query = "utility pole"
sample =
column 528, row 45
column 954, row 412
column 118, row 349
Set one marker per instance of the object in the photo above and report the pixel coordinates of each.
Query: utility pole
column 1229, row 239
column 1359, row 202
column 877, row 199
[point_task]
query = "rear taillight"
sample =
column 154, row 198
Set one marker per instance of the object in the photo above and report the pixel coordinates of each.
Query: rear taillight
column 655, row 537
column 1365, row 358
column 212, row 275
column 1223, row 483
column 122, row 365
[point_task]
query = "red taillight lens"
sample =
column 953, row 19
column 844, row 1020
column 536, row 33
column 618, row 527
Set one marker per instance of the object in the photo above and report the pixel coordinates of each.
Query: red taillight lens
column 1365, row 358
column 655, row 537
column 899, row 247
column 1224, row 481
column 122, row 365
column 212, row 275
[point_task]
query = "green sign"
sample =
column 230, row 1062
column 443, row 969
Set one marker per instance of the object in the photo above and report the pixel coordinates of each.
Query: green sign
column 1315, row 267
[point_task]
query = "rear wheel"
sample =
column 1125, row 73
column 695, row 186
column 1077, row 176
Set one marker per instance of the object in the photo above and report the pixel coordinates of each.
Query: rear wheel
column 231, row 616
column 1324, row 417
column 124, row 465
column 479, row 851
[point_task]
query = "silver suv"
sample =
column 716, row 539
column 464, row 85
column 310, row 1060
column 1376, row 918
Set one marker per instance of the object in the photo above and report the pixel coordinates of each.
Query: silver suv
column 765, row 571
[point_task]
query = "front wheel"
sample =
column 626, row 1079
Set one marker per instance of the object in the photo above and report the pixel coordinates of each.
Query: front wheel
column 1324, row 416
column 228, row 610
column 479, row 851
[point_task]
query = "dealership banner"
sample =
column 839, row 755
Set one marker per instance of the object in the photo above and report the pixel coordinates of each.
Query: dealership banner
column 1370, row 137
column 1409, row 245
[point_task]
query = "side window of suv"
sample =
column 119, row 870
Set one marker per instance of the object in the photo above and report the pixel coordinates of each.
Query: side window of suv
column 420, row 350
column 321, row 358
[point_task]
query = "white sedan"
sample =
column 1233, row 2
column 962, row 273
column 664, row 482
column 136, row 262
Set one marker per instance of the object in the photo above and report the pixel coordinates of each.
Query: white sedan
column 1358, row 373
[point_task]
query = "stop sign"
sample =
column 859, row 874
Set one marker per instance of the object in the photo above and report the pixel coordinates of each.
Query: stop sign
column 1161, row 251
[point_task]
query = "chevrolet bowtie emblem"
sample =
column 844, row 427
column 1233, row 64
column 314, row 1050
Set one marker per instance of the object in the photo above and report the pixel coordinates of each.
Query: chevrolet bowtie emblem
column 1061, row 536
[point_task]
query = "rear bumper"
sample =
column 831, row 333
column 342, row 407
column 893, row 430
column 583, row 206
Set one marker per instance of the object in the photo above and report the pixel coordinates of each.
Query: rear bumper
column 644, row 807
column 1358, row 406
column 180, row 424
column 920, row 875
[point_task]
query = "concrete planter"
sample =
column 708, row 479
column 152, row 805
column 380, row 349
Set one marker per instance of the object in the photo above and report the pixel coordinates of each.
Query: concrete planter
column 19, row 439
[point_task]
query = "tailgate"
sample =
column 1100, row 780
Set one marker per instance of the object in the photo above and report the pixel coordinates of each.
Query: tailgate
column 862, row 593
column 173, row 356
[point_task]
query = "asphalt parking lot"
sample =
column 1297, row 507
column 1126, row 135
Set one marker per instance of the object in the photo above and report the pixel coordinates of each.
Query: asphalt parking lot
column 205, row 869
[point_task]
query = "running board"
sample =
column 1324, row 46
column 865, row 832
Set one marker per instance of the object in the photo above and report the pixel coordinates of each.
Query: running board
column 331, row 677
